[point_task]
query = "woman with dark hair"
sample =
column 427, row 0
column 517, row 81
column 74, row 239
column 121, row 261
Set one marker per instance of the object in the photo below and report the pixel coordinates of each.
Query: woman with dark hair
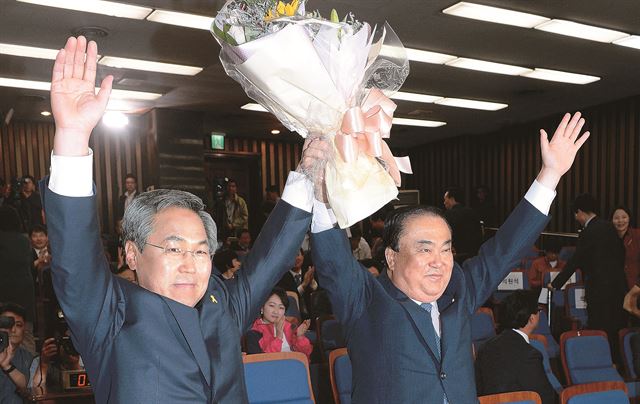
column 272, row 332
column 630, row 236
column 226, row 261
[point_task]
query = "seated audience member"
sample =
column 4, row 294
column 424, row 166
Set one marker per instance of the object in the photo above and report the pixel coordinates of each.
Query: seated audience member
column 300, row 279
column 15, row 360
column 40, row 248
column 373, row 266
column 243, row 245
column 226, row 261
column 508, row 362
column 57, row 355
column 550, row 262
column 359, row 246
column 272, row 332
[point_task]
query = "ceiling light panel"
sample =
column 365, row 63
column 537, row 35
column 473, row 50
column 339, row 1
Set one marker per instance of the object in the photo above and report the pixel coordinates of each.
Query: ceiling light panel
column 418, row 122
column 495, row 14
column 632, row 41
column 584, row 31
column 181, row 19
column 28, row 51
column 109, row 8
column 32, row 85
column 415, row 97
column 563, row 77
column 146, row 65
column 473, row 104
column 491, row 67
column 133, row 95
column 254, row 107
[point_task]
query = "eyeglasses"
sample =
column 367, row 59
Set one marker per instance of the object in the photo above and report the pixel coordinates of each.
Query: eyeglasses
column 179, row 252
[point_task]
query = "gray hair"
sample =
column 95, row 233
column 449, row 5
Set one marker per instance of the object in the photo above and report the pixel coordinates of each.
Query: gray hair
column 139, row 217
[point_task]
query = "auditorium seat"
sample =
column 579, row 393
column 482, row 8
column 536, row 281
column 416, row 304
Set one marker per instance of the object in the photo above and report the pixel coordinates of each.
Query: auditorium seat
column 521, row 276
column 586, row 357
column 624, row 337
column 483, row 327
column 294, row 306
column 340, row 375
column 516, row 397
column 539, row 342
column 329, row 334
column 279, row 377
column 553, row 349
column 595, row 393
column 566, row 253
column 576, row 316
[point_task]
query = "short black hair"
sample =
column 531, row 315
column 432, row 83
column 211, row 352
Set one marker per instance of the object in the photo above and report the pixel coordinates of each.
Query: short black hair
column 455, row 193
column 282, row 294
column 395, row 222
column 14, row 308
column 368, row 263
column 10, row 219
column 223, row 259
column 29, row 176
column 356, row 232
column 621, row 207
column 552, row 245
column 38, row 228
column 518, row 307
column 244, row 231
column 130, row 175
column 586, row 203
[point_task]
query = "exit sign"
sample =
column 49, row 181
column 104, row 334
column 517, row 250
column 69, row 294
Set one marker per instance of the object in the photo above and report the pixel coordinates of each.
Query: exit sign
column 217, row 141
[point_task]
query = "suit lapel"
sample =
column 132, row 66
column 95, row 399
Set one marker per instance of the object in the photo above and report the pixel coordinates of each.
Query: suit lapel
column 189, row 323
column 449, row 320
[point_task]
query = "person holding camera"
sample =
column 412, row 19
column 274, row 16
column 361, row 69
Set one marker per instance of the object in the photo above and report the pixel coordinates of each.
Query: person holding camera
column 15, row 360
column 56, row 356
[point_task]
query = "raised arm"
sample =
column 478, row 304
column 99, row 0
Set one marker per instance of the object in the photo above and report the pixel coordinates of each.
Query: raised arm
column 82, row 281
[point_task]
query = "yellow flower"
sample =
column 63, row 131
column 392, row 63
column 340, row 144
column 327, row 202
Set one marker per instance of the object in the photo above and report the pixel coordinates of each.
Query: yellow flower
column 283, row 9
column 291, row 8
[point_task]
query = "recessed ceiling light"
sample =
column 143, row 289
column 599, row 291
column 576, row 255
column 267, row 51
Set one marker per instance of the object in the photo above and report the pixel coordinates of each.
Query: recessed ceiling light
column 115, row 119
column 473, row 104
column 97, row 6
column 254, row 107
column 417, row 55
column 417, row 122
column 45, row 113
column 28, row 51
column 181, row 19
column 133, row 95
column 275, row 132
column 495, row 14
column 400, row 95
column 491, row 67
column 584, row 31
column 147, row 65
column 564, row 77
column 32, row 85
column 632, row 41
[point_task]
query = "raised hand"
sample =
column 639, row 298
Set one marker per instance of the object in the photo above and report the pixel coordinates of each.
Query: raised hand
column 308, row 277
column 302, row 328
column 559, row 153
column 315, row 154
column 76, row 107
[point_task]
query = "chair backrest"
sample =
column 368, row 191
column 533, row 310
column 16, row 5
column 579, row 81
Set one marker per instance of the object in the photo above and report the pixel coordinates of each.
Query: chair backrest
column 340, row 375
column 575, row 308
column 290, row 368
column 596, row 366
column 624, row 338
column 553, row 349
column 329, row 334
column 539, row 342
column 595, row 393
column 482, row 327
column 566, row 253
column 515, row 397
column 294, row 308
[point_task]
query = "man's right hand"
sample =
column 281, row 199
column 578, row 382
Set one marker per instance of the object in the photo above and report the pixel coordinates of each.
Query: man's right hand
column 315, row 154
column 76, row 107
column 49, row 350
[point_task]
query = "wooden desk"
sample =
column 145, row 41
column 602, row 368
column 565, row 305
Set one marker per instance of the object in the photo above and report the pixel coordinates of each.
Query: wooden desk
column 53, row 396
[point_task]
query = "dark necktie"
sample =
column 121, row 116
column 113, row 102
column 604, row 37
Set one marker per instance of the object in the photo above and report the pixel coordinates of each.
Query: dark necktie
column 433, row 334
column 298, row 279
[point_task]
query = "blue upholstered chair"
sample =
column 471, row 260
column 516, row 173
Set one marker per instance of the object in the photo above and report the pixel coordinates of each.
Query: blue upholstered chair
column 329, row 334
column 595, row 393
column 279, row 377
column 553, row 349
column 516, row 397
column 340, row 375
column 624, row 336
column 577, row 316
column 586, row 357
column 483, row 327
column 566, row 253
column 538, row 342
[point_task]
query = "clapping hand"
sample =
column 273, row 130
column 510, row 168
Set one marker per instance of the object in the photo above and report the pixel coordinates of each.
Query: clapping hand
column 279, row 324
column 76, row 107
column 559, row 153
column 308, row 277
column 302, row 328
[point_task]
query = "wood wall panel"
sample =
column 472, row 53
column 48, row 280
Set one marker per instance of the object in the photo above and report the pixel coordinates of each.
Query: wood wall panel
column 507, row 161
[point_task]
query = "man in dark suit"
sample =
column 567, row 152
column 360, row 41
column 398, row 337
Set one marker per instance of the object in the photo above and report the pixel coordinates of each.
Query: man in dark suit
column 508, row 362
column 130, row 193
column 600, row 256
column 408, row 331
column 465, row 225
column 176, row 337
column 300, row 280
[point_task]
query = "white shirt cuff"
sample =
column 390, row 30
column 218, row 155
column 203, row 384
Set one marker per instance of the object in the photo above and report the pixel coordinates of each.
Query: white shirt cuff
column 323, row 217
column 72, row 175
column 298, row 191
column 540, row 197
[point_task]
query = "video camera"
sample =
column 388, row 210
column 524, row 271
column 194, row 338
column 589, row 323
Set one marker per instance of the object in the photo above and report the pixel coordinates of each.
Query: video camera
column 67, row 345
column 6, row 323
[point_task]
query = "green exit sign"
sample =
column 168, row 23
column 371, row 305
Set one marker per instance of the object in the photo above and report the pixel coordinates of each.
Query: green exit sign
column 217, row 141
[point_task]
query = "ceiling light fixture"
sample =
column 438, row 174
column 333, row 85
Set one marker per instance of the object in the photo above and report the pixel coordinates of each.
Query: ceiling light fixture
column 417, row 55
column 495, row 14
column 275, row 132
column 632, row 41
column 28, row 51
column 417, row 122
column 252, row 106
column 473, row 104
column 29, row 84
column 584, row 31
column 133, row 95
column 563, row 77
column 181, row 19
column 45, row 113
column 415, row 97
column 146, row 65
column 115, row 119
column 490, row 67
column 109, row 8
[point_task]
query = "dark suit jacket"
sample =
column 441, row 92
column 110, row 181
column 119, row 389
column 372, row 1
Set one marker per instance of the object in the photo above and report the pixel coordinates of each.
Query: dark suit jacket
column 16, row 281
column 466, row 232
column 141, row 347
column 386, row 331
column 287, row 282
column 600, row 256
column 508, row 363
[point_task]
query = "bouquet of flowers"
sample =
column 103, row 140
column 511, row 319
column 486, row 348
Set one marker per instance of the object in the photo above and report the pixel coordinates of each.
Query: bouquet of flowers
column 326, row 78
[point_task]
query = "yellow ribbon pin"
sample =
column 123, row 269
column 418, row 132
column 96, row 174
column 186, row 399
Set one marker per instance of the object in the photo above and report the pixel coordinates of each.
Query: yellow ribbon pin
column 213, row 299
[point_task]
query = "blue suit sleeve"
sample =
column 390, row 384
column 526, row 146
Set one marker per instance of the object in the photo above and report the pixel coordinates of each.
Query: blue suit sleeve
column 272, row 255
column 502, row 253
column 347, row 282
column 92, row 301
